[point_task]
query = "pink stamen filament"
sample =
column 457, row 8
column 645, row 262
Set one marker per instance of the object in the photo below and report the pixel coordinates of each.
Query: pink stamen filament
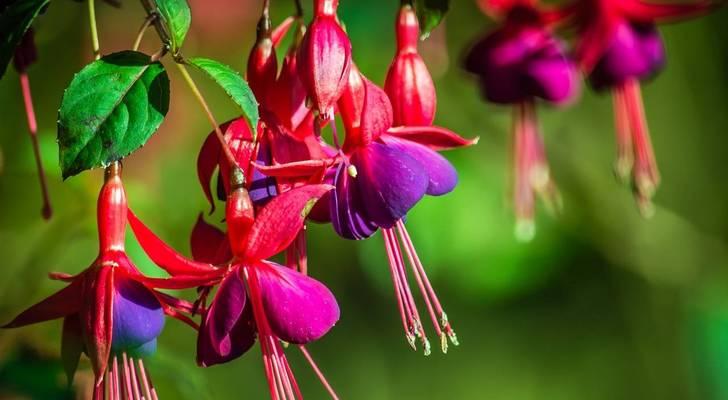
column 123, row 382
column 46, row 211
column 318, row 372
column 428, row 292
column 625, row 159
column 645, row 173
column 403, row 312
column 398, row 270
column 531, row 171
column 281, row 382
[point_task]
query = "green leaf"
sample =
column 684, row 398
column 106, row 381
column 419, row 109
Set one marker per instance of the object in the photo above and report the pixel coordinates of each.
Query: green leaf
column 233, row 84
column 112, row 107
column 430, row 13
column 15, row 20
column 177, row 18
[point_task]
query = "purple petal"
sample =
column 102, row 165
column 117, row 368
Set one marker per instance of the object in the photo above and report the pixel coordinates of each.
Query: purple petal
column 138, row 316
column 554, row 78
column 515, row 65
column 226, row 331
column 442, row 175
column 635, row 51
column 299, row 308
column 263, row 187
column 347, row 216
column 390, row 182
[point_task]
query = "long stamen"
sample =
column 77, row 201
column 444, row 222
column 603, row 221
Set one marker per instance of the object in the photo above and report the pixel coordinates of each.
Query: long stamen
column 428, row 291
column 281, row 382
column 46, row 211
column 646, row 176
column 625, row 158
column 402, row 270
column 126, row 379
column 403, row 312
column 318, row 372
column 532, row 174
column 392, row 246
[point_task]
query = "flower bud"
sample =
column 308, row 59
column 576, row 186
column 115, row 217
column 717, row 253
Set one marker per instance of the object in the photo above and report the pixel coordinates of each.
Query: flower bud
column 324, row 58
column 409, row 84
column 262, row 62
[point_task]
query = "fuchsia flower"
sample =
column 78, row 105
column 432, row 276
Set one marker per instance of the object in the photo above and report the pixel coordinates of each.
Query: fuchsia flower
column 516, row 64
column 110, row 310
column 324, row 58
column 409, row 84
column 619, row 46
column 256, row 297
column 385, row 171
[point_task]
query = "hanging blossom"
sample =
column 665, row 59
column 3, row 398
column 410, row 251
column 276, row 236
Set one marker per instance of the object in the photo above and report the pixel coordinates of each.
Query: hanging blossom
column 256, row 298
column 383, row 172
column 110, row 311
column 516, row 64
column 618, row 46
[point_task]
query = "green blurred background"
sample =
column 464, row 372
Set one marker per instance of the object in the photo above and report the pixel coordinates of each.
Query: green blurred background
column 601, row 305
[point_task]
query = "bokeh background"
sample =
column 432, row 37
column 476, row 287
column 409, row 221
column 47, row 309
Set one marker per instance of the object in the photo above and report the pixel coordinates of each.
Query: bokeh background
column 601, row 305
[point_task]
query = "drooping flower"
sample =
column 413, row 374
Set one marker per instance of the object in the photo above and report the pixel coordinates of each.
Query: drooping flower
column 384, row 172
column 111, row 311
column 618, row 46
column 256, row 298
column 409, row 84
column 516, row 64
column 324, row 58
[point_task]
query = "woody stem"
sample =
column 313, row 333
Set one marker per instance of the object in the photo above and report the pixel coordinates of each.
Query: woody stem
column 208, row 113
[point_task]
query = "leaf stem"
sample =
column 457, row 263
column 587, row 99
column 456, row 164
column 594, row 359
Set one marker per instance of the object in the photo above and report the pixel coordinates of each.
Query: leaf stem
column 208, row 113
column 299, row 8
column 94, row 32
column 147, row 22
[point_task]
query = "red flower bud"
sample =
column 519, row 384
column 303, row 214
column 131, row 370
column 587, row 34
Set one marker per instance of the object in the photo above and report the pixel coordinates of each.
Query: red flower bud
column 324, row 58
column 262, row 62
column 409, row 84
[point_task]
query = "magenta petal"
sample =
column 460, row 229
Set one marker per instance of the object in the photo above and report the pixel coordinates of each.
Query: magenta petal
column 347, row 216
column 390, row 182
column 226, row 331
column 442, row 175
column 299, row 308
column 636, row 51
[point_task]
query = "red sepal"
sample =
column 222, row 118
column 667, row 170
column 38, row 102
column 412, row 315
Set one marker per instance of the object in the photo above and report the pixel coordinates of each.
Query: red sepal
column 278, row 223
column 65, row 302
column 208, row 243
column 163, row 255
column 434, row 137
column 71, row 345
column 97, row 317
